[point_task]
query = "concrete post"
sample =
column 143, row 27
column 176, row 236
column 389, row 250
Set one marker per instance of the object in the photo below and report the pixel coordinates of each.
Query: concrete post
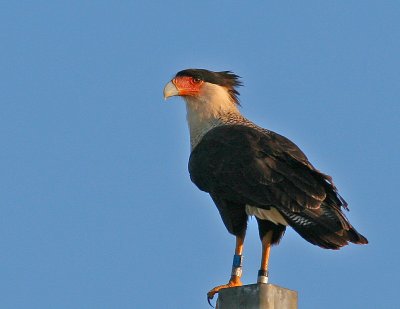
column 257, row 296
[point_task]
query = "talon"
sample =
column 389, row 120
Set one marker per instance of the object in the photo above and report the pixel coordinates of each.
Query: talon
column 210, row 295
column 209, row 300
column 215, row 290
column 235, row 281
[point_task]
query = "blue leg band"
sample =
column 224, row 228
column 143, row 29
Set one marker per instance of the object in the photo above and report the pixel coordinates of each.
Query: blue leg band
column 237, row 265
column 237, row 261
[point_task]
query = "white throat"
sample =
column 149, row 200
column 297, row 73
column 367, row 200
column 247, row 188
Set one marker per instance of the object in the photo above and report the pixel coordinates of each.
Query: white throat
column 208, row 111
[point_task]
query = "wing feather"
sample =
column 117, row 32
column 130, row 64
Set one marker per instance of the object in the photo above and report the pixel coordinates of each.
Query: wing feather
column 252, row 166
column 263, row 168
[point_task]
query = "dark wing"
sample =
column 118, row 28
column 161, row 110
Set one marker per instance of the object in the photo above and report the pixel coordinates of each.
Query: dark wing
column 246, row 165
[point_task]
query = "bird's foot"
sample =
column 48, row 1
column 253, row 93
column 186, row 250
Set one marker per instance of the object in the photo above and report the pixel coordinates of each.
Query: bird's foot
column 234, row 281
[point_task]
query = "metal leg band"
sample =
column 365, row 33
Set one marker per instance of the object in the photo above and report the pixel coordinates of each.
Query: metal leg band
column 262, row 276
column 237, row 271
column 237, row 265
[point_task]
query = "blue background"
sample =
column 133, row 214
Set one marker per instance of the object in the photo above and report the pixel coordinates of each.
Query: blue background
column 96, row 206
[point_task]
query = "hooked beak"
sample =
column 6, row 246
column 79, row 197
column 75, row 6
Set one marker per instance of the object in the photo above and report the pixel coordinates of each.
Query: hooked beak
column 170, row 90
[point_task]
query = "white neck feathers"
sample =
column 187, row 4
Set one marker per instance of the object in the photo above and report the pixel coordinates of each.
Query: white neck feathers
column 208, row 110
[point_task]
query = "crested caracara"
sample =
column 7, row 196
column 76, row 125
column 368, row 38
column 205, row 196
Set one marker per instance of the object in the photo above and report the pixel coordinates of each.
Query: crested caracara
column 251, row 171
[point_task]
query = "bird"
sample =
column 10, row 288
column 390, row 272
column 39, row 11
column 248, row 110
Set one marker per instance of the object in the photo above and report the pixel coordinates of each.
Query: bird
column 251, row 171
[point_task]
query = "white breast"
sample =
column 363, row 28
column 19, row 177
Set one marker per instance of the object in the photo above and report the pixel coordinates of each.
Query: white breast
column 271, row 214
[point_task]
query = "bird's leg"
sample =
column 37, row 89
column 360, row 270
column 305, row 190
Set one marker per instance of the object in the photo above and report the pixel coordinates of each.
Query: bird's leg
column 266, row 248
column 236, row 270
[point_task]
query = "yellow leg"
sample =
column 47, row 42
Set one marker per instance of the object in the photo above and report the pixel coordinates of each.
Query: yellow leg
column 235, row 278
column 239, row 245
column 266, row 249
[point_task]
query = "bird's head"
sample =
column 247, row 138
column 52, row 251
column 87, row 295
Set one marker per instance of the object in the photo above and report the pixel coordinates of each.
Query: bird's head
column 210, row 97
column 203, row 85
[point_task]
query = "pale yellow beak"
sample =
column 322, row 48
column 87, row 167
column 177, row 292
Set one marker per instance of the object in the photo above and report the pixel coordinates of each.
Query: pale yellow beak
column 170, row 90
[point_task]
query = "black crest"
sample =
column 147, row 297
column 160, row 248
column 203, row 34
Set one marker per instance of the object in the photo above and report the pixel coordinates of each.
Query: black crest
column 226, row 79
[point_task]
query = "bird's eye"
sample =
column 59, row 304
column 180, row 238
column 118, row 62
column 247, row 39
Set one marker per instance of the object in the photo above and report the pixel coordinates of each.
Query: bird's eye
column 196, row 80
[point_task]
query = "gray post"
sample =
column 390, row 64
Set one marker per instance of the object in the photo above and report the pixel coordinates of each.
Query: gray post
column 257, row 296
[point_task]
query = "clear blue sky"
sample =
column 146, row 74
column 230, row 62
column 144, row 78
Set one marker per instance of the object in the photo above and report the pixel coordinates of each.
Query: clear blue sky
column 96, row 206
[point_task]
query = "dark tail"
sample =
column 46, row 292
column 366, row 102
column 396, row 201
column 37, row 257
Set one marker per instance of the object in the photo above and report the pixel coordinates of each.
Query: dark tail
column 326, row 227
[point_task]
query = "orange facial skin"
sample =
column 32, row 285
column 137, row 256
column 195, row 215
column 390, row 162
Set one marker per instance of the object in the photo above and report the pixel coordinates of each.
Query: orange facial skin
column 187, row 86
